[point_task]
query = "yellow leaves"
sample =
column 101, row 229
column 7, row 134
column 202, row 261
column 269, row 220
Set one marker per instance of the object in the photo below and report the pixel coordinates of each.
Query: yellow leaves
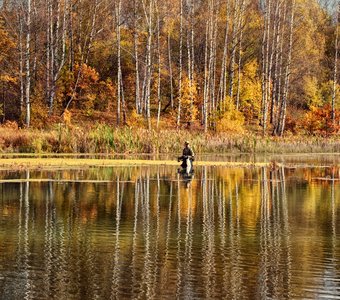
column 188, row 100
column 326, row 92
column 67, row 117
column 136, row 120
column 313, row 96
column 6, row 42
column 7, row 79
column 231, row 121
column 250, row 69
column 106, row 91
column 169, row 26
column 250, row 98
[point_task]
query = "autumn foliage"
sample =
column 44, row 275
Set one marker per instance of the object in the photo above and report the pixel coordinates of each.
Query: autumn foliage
column 214, row 66
column 317, row 121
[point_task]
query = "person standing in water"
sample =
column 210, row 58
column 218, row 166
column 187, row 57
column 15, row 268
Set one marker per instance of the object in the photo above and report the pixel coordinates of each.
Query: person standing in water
column 187, row 153
column 187, row 150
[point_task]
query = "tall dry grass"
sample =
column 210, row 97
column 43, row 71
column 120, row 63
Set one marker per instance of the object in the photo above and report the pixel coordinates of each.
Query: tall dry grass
column 107, row 139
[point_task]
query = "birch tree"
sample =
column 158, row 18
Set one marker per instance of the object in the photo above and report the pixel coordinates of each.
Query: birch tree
column 265, row 63
column 180, row 64
column 21, row 59
column 55, row 46
column 149, row 20
column 119, row 70
column 335, row 70
column 235, row 28
column 283, row 106
column 28, row 62
column 223, row 76
column 135, row 41
column 159, row 64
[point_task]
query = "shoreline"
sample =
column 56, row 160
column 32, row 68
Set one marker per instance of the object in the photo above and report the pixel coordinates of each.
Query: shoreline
column 69, row 163
column 62, row 163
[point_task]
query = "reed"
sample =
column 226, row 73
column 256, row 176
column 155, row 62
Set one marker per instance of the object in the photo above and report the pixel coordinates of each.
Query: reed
column 107, row 139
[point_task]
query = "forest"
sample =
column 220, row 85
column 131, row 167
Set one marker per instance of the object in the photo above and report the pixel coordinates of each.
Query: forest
column 269, row 67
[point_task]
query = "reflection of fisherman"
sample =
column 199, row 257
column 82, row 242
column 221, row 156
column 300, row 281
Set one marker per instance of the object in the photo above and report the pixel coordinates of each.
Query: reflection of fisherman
column 187, row 153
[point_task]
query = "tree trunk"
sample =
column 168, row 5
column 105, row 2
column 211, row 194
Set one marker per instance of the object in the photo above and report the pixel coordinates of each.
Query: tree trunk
column 280, row 79
column 287, row 73
column 119, row 70
column 159, row 67
column 240, row 29
column 190, row 59
column 27, row 58
column 274, row 96
column 265, row 64
column 214, row 56
column 223, row 76
column 149, row 66
column 35, row 58
column 206, row 87
column 335, row 71
column 238, row 95
column 233, row 50
column 210, row 93
column 271, row 61
column 192, row 10
column 170, row 72
column 63, row 49
column 180, row 65
column 48, row 51
column 135, row 39
column 21, row 62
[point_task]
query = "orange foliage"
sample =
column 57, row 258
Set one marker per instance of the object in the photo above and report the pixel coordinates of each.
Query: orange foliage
column 318, row 121
column 88, row 92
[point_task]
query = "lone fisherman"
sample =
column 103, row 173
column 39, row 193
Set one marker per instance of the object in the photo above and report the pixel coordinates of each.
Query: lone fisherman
column 187, row 153
column 187, row 150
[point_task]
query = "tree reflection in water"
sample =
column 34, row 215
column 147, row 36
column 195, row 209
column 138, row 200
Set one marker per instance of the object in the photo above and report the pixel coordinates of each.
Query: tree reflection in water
column 145, row 233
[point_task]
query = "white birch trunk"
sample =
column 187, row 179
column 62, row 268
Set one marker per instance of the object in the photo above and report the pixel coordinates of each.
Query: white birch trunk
column 206, row 89
column 287, row 72
column 137, row 84
column 119, row 71
column 170, row 72
column 233, row 50
column 240, row 29
column 223, row 76
column 48, row 51
column 180, row 65
column 275, row 97
column 149, row 66
column 21, row 62
column 190, row 75
column 239, row 71
column 335, row 71
column 27, row 58
column 159, row 67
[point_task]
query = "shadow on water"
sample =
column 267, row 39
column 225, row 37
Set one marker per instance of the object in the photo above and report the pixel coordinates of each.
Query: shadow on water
column 150, row 232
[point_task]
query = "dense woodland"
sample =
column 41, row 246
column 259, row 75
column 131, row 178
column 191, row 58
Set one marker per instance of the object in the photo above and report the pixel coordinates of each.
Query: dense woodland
column 270, row 66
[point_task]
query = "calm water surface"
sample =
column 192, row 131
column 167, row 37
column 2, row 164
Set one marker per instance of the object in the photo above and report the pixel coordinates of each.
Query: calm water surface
column 148, row 233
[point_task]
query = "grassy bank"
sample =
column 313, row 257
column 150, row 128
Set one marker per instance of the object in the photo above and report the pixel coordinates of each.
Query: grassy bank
column 106, row 139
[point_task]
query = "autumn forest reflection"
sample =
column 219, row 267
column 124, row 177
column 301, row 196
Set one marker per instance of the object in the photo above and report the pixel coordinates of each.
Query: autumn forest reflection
column 147, row 232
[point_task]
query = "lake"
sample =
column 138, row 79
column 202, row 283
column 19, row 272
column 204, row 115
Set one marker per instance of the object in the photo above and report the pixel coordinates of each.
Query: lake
column 150, row 233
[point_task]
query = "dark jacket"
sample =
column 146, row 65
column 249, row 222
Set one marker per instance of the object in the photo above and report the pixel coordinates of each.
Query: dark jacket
column 188, row 152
